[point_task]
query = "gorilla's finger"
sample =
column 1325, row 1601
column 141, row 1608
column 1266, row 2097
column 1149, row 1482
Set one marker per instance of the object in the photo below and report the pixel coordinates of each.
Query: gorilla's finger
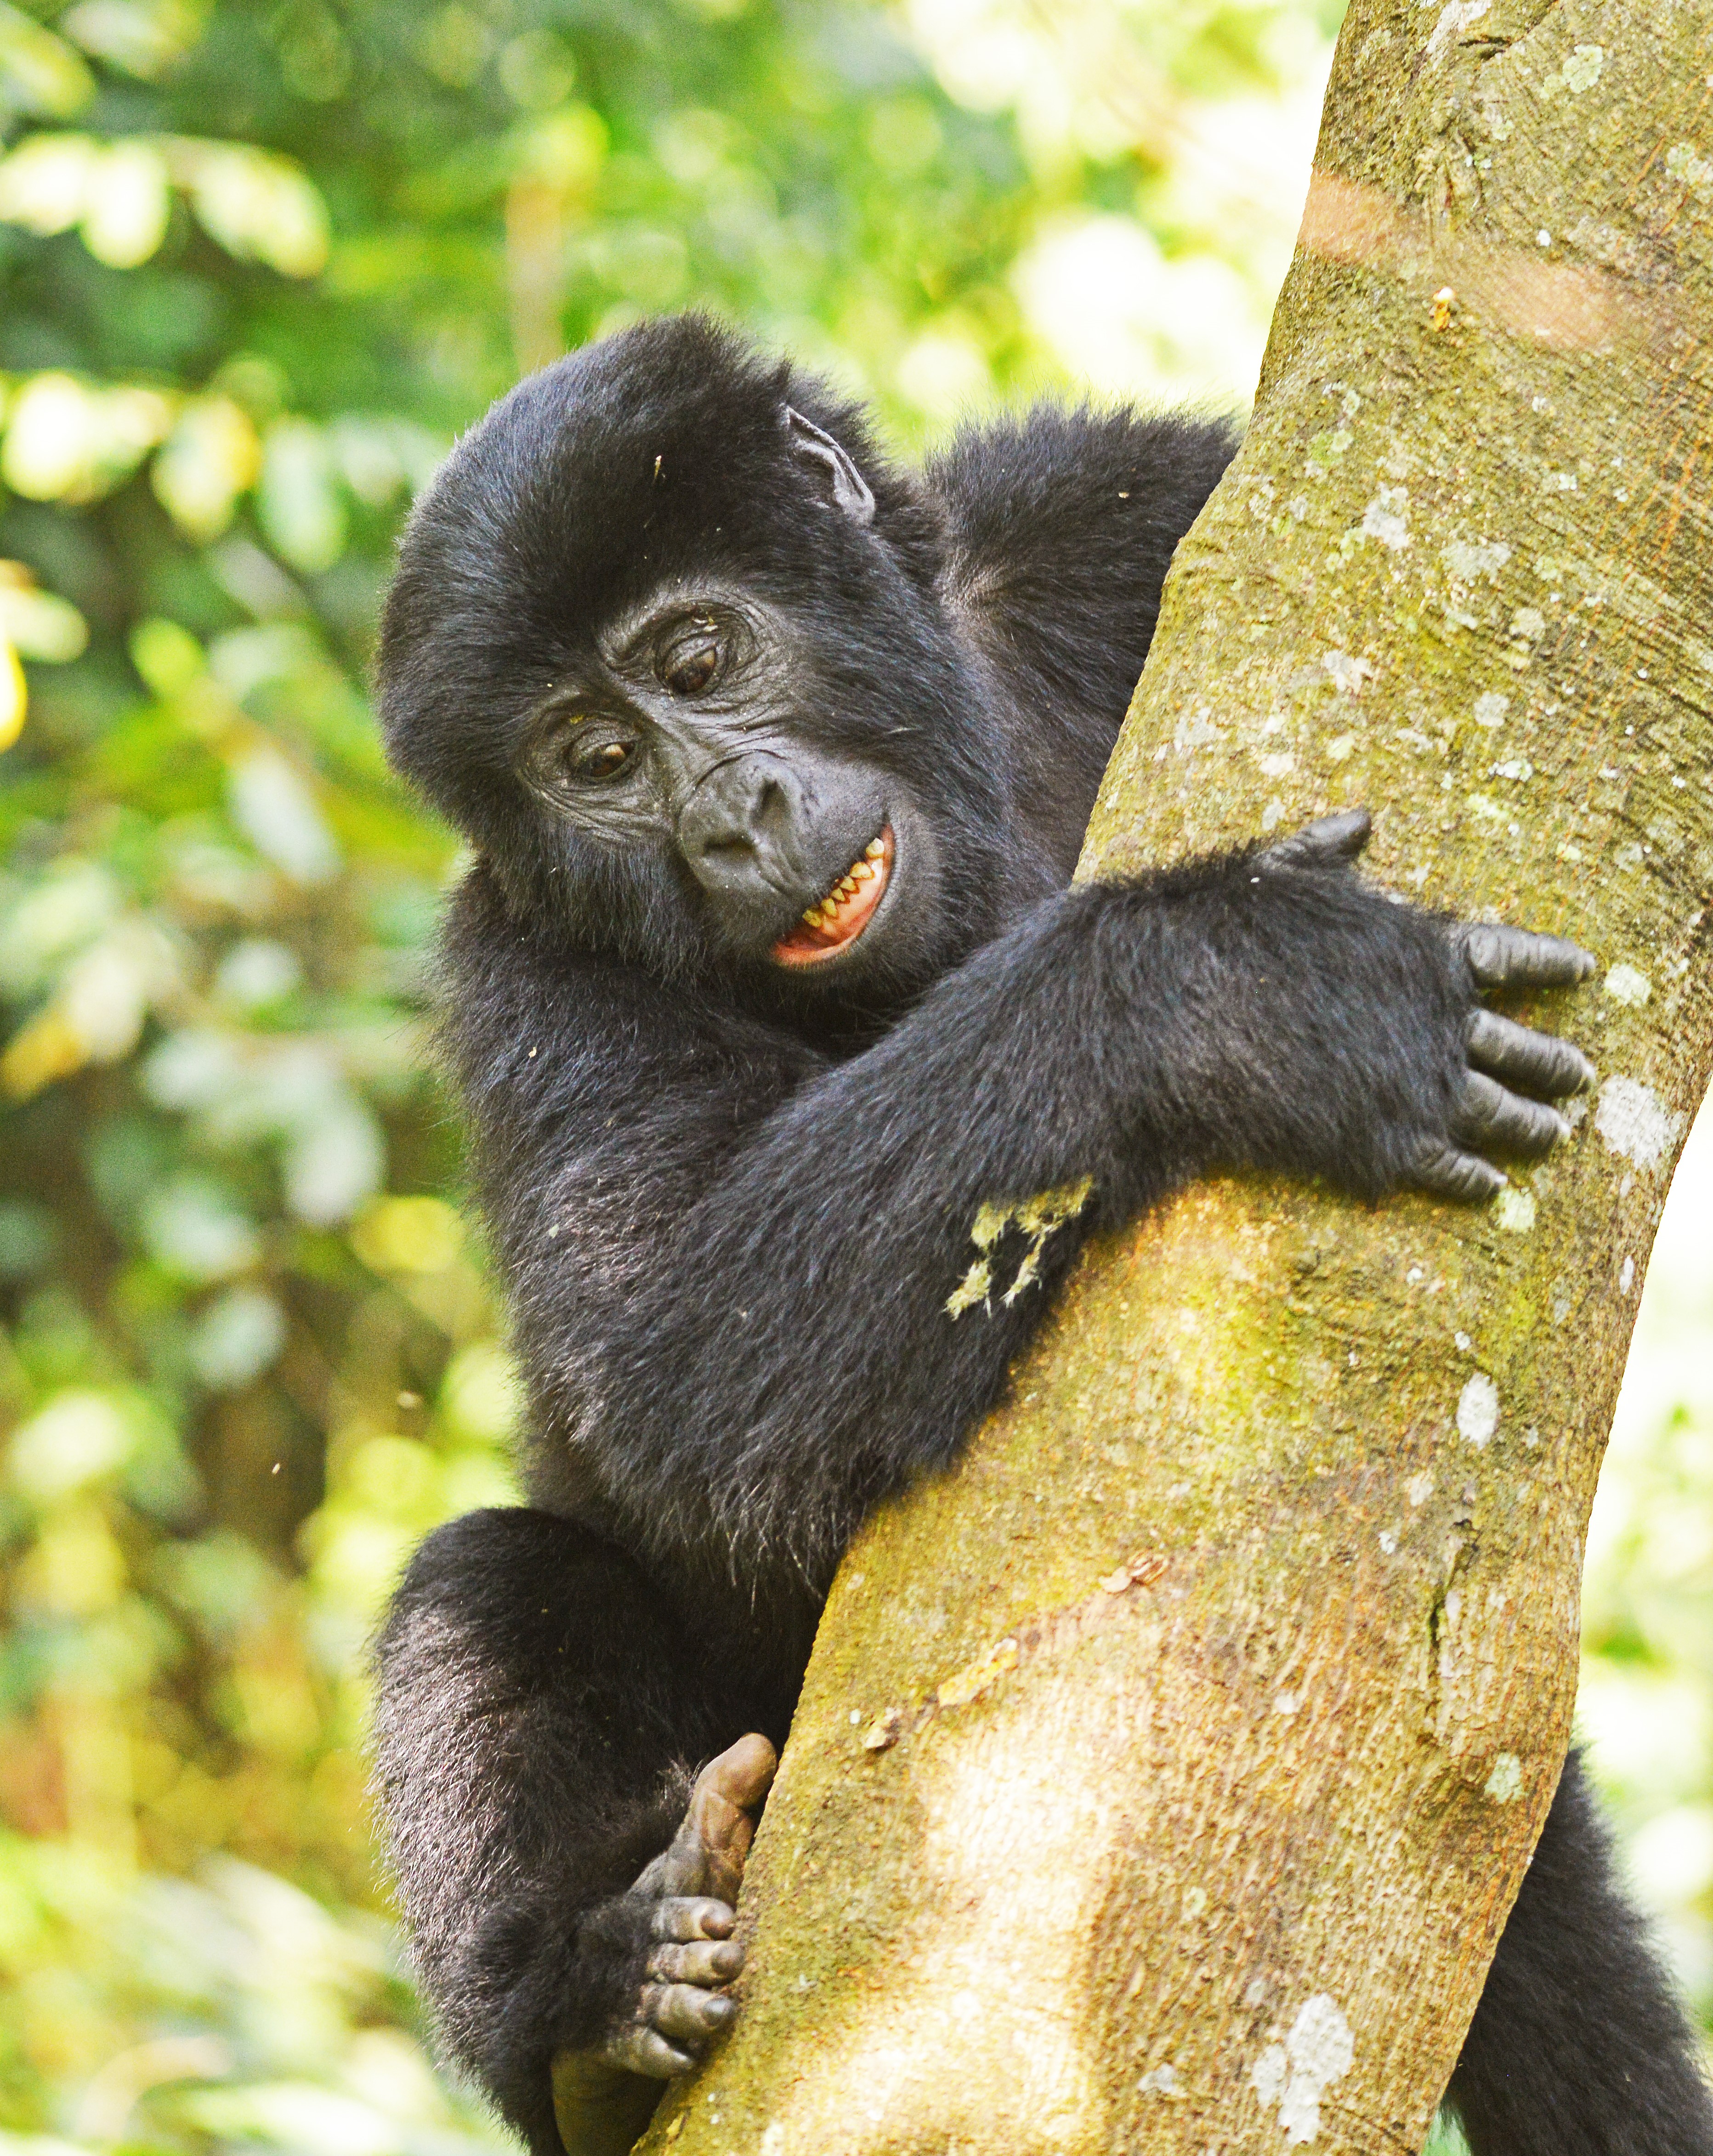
column 1448, row 1173
column 1523, row 1057
column 702, row 1961
column 683, row 2011
column 1504, row 957
column 682, row 1870
column 706, row 1859
column 640, row 2050
column 1329, row 842
column 1490, row 1115
column 709, row 1849
column 693, row 1916
column 741, row 1775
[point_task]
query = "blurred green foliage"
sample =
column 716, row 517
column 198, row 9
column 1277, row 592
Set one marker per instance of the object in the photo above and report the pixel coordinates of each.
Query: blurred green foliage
column 1646, row 1702
column 258, row 263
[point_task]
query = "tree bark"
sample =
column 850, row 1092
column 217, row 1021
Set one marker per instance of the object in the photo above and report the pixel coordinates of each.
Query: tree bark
column 1164, row 1775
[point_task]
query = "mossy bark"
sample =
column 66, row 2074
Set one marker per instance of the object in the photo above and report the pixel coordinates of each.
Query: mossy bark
column 1165, row 1774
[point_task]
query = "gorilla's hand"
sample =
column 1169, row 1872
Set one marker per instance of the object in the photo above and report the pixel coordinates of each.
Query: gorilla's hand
column 1502, row 1054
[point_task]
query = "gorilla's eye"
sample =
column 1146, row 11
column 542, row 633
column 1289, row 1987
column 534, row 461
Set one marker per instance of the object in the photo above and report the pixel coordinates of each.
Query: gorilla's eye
column 688, row 671
column 600, row 760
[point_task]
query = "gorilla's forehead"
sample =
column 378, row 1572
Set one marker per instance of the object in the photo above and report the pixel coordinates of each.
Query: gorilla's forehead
column 639, row 460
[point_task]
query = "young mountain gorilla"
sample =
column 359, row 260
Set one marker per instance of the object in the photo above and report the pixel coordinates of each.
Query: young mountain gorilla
column 775, row 761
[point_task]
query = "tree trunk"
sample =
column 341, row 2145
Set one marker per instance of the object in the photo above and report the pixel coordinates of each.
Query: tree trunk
column 1164, row 1774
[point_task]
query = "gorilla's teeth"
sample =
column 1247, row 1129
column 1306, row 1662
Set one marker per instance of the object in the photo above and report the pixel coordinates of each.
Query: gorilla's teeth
column 869, row 866
column 841, row 916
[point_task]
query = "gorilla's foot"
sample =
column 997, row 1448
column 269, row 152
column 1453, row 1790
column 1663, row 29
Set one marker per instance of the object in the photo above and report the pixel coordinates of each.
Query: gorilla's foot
column 689, row 1895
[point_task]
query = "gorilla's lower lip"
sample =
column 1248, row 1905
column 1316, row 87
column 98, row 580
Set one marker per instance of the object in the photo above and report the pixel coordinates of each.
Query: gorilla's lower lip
column 835, row 921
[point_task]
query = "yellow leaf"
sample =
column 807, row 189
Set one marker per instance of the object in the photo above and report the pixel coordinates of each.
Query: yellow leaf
column 210, row 457
column 14, row 696
column 45, row 1049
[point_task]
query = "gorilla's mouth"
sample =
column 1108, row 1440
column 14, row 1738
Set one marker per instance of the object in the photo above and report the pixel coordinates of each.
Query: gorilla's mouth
column 836, row 921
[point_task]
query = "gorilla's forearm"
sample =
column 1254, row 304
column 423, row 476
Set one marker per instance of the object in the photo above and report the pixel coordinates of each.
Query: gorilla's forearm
column 835, row 1307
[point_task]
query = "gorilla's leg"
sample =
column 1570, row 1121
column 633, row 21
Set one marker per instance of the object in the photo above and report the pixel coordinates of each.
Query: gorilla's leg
column 1578, row 2047
column 567, row 1874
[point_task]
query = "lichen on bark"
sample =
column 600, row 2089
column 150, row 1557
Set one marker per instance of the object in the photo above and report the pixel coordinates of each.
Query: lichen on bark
column 1165, row 1773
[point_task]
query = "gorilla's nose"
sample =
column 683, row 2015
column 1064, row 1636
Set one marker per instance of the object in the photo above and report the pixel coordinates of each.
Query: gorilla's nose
column 739, row 822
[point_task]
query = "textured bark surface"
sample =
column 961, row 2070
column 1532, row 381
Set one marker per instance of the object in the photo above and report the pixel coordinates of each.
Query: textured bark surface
column 1164, row 1775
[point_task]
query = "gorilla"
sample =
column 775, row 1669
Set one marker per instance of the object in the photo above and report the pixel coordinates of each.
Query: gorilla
column 766, row 976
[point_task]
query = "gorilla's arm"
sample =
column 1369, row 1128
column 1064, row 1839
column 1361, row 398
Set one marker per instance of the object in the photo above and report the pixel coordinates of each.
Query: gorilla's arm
column 1060, row 527
column 800, row 1302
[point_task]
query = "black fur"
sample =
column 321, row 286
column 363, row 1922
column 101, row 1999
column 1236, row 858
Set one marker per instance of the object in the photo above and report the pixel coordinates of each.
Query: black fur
column 1579, row 2045
column 732, row 1199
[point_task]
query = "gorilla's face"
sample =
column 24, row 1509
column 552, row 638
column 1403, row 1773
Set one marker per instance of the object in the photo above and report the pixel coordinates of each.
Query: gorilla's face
column 711, row 727
column 679, row 667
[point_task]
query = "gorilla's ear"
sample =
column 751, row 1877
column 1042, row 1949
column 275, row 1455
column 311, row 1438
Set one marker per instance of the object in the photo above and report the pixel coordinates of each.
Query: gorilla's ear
column 812, row 445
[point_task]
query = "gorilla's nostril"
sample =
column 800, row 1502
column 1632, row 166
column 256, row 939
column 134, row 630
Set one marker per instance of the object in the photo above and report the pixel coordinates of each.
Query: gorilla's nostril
column 736, row 830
